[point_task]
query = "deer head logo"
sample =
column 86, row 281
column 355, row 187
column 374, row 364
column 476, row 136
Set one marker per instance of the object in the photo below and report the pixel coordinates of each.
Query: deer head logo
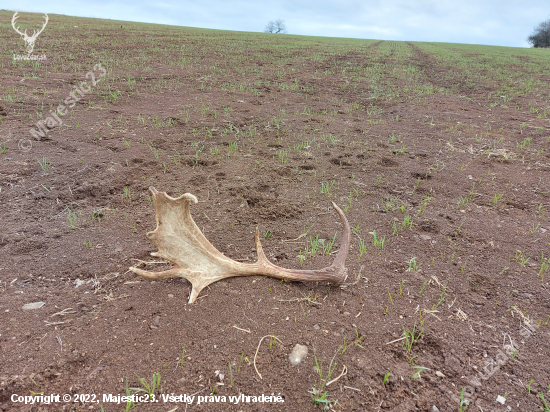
column 28, row 39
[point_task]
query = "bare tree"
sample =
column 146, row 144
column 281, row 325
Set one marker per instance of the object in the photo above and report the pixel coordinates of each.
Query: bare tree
column 277, row 26
column 541, row 35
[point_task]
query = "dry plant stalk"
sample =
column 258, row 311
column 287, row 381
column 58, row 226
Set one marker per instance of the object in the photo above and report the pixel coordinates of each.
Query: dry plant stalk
column 181, row 242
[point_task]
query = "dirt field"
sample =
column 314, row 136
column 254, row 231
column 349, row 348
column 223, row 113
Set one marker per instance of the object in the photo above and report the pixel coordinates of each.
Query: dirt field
column 439, row 154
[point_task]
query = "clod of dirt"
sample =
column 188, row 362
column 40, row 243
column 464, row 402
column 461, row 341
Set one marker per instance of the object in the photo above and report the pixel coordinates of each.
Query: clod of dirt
column 298, row 354
column 34, row 305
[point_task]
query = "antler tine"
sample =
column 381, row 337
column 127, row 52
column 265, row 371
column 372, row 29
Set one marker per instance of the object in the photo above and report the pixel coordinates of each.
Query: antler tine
column 15, row 17
column 36, row 33
column 180, row 241
column 43, row 25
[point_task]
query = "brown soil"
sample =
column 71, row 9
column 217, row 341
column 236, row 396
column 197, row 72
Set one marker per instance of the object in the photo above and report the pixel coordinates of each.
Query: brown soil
column 80, row 218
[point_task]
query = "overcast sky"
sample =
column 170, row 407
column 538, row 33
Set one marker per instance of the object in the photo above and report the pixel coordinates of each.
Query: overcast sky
column 494, row 22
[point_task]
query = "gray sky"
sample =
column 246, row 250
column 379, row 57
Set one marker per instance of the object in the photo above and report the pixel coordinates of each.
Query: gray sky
column 494, row 22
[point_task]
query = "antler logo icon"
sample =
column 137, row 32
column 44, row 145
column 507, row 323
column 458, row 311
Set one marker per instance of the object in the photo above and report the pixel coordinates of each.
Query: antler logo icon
column 28, row 39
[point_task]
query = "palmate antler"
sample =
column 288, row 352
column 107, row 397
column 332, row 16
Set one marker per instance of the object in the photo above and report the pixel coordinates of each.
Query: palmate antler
column 181, row 242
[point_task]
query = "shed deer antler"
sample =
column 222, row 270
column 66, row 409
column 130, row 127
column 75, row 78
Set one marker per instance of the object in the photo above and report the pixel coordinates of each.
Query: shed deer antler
column 181, row 242
column 28, row 39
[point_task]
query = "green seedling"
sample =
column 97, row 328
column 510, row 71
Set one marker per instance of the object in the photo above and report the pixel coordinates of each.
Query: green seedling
column 268, row 234
column 239, row 367
column 407, row 221
column 386, row 377
column 149, row 389
column 362, row 248
column 441, row 297
column 546, row 407
column 379, row 243
column 526, row 142
column 411, row 337
column 528, row 388
column 418, row 370
column 394, row 227
column 129, row 404
column 328, row 247
column 356, row 342
column 319, row 394
column 326, row 187
column 496, row 199
column 97, row 215
column 463, row 402
column 319, row 245
column 302, row 258
column 413, row 266
column 127, row 194
column 71, row 217
column 423, row 204
column 520, row 258
column 544, row 266
column 44, row 164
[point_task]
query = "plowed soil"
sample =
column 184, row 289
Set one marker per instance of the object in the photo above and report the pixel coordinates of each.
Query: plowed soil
column 442, row 168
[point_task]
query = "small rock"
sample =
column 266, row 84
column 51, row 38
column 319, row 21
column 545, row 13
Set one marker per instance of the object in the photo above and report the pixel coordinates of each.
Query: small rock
column 298, row 353
column 347, row 313
column 170, row 296
column 78, row 282
column 439, row 374
column 34, row 305
column 435, row 409
column 156, row 320
column 316, row 327
column 501, row 399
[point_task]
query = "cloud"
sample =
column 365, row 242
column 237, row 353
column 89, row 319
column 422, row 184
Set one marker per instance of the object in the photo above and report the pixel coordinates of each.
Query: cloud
column 350, row 28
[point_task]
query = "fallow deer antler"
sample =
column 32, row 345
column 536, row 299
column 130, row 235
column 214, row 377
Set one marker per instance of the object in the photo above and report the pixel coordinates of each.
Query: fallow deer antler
column 181, row 242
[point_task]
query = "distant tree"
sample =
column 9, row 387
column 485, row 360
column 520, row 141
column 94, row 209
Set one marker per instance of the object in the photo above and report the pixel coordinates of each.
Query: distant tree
column 541, row 35
column 277, row 26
